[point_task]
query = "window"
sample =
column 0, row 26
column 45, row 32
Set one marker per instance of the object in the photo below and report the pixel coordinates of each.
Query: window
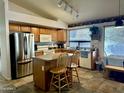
column 114, row 41
column 80, row 38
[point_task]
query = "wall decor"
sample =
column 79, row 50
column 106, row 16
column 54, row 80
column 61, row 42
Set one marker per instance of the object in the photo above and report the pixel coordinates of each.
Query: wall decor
column 97, row 21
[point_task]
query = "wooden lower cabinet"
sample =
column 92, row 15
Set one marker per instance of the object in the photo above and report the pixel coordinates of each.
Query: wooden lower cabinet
column 39, row 53
column 41, row 73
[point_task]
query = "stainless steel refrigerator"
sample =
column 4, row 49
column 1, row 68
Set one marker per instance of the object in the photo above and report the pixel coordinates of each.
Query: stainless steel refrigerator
column 21, row 53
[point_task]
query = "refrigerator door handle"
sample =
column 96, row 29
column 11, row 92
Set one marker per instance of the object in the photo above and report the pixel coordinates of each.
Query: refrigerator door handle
column 25, row 45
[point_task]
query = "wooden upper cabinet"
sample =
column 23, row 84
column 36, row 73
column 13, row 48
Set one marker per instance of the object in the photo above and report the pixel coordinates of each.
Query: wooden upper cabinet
column 62, row 35
column 48, row 31
column 57, row 35
column 25, row 29
column 36, row 32
column 14, row 28
column 51, row 32
column 18, row 28
column 54, row 35
column 44, row 31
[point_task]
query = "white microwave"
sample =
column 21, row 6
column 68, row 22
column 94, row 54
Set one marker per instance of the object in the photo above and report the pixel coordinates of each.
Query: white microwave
column 45, row 38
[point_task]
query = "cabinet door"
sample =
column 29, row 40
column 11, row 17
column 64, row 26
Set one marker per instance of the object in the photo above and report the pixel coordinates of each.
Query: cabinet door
column 14, row 28
column 25, row 29
column 48, row 31
column 61, row 34
column 64, row 35
column 39, row 53
column 36, row 32
column 45, row 31
column 54, row 35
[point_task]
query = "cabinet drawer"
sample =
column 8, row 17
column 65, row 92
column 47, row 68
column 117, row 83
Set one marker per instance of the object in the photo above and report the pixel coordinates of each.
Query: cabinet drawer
column 39, row 53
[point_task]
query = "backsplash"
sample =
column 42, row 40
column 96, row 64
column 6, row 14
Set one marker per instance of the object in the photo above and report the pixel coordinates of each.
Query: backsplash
column 45, row 44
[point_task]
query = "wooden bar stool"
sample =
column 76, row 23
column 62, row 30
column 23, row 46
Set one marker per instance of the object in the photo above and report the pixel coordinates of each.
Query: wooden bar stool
column 59, row 77
column 73, row 64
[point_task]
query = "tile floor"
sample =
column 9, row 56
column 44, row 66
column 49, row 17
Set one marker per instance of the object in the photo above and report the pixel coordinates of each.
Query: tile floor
column 91, row 82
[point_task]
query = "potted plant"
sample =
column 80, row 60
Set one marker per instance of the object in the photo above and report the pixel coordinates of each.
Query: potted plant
column 95, row 33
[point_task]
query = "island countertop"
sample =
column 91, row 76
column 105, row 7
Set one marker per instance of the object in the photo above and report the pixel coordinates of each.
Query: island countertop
column 48, row 57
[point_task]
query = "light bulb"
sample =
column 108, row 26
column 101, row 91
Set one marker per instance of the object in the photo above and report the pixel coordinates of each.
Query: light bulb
column 59, row 3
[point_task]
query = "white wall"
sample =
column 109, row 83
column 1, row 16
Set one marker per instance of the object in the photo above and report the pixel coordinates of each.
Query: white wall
column 4, row 35
column 0, row 53
column 24, row 18
column 16, row 8
column 20, row 14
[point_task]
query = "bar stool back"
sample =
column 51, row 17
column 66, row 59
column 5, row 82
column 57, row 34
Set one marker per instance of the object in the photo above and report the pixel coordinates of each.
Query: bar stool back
column 59, row 77
column 74, row 64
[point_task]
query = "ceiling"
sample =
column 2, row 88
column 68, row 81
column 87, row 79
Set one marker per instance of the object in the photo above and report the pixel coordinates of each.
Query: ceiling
column 88, row 9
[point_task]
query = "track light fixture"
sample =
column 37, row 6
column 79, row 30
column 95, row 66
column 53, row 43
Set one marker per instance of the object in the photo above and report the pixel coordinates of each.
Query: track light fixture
column 68, row 8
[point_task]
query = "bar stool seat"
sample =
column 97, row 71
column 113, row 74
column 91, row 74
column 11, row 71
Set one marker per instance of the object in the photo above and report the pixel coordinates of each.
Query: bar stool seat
column 73, row 65
column 58, row 70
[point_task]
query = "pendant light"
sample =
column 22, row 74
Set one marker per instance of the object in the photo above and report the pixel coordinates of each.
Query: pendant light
column 119, row 21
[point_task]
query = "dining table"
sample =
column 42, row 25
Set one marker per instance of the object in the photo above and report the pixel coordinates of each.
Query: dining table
column 41, row 69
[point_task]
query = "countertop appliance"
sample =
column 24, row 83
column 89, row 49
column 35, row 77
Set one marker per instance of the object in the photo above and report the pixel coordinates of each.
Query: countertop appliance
column 21, row 53
column 60, row 44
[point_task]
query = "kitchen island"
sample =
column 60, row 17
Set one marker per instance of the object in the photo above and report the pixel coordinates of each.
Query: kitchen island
column 41, row 66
